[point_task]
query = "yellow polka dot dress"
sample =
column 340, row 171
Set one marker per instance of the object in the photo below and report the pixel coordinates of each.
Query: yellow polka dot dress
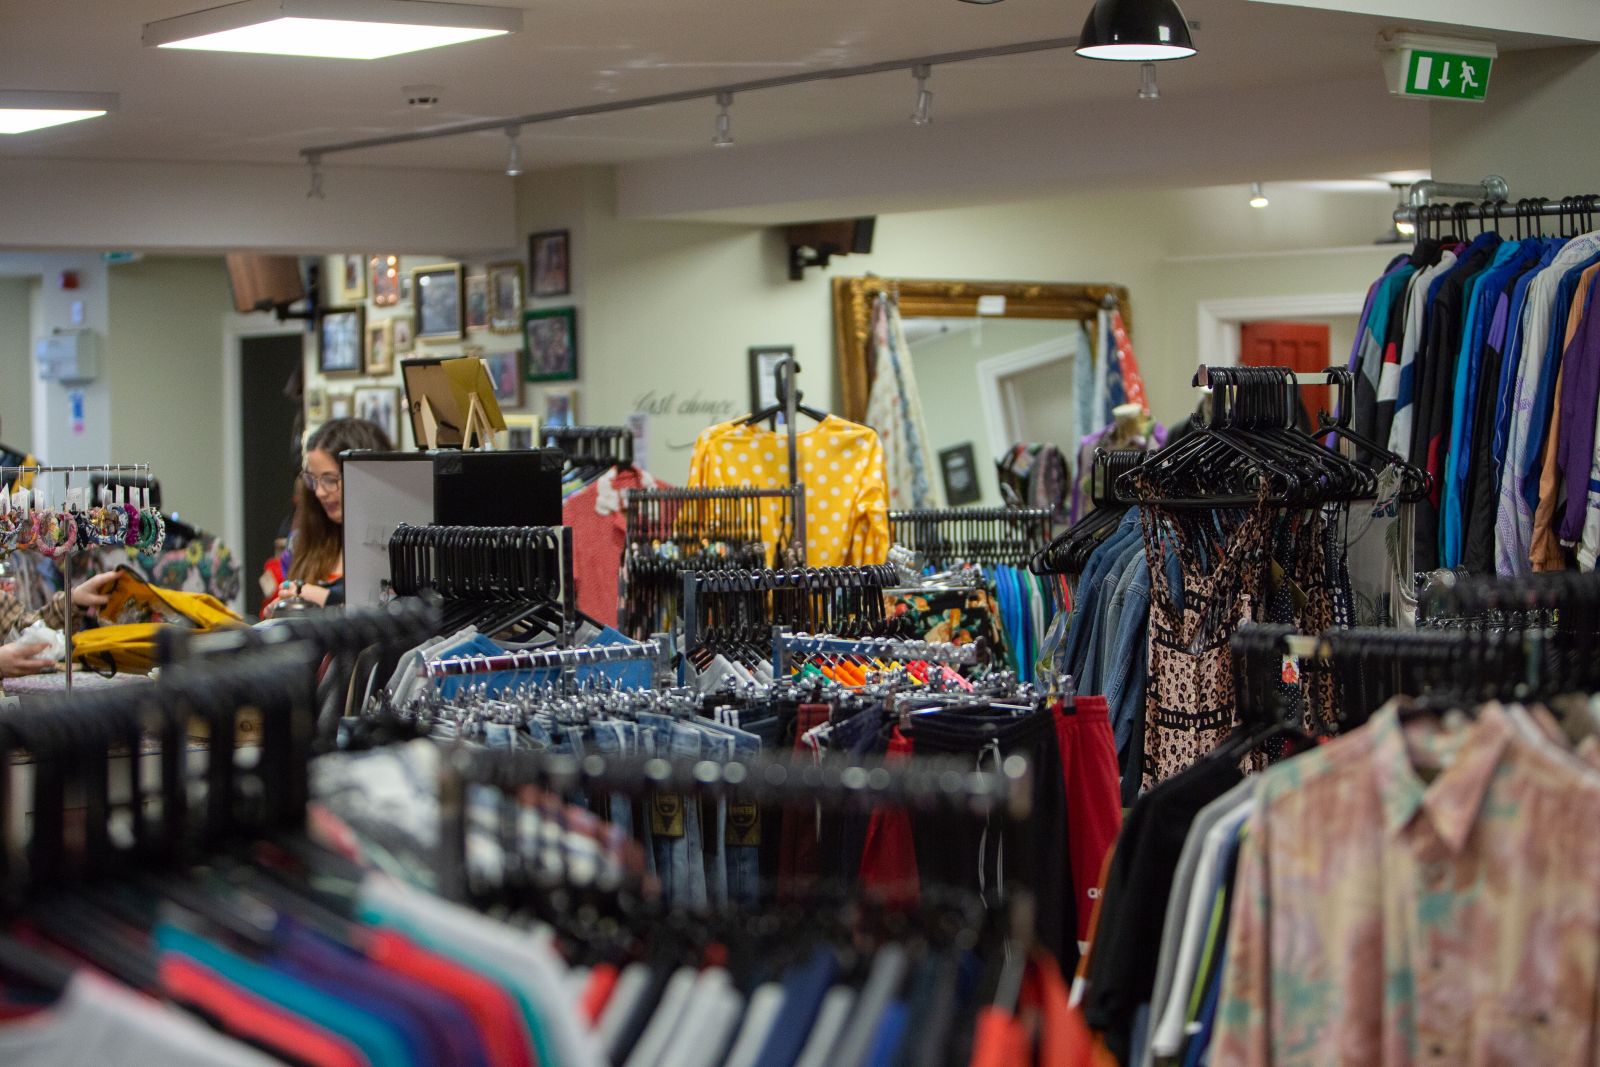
column 841, row 466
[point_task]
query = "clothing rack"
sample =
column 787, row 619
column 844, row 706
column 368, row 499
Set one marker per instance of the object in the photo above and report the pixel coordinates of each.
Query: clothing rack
column 583, row 445
column 67, row 471
column 486, row 564
column 657, row 650
column 1064, row 555
column 810, row 582
column 946, row 536
column 786, row 645
column 945, row 785
column 689, row 516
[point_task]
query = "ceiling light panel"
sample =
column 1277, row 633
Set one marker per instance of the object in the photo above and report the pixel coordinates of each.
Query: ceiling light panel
column 332, row 29
column 26, row 111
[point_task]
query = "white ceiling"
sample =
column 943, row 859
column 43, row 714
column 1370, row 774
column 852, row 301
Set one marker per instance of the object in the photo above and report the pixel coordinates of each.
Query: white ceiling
column 202, row 107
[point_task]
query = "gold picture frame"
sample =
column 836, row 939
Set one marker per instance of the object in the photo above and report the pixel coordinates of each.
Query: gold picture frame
column 380, row 347
column 506, row 296
column 439, row 303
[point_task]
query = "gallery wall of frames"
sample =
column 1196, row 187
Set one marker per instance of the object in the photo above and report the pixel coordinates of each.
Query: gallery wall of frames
column 379, row 309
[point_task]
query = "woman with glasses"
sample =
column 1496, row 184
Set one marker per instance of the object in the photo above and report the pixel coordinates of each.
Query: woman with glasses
column 313, row 564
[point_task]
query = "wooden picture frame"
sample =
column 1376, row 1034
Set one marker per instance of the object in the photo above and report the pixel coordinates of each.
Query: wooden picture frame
column 550, row 338
column 505, row 296
column 379, row 405
column 521, row 432
column 341, row 341
column 316, row 405
column 404, row 335
column 505, row 371
column 550, row 260
column 352, row 278
column 439, row 304
column 384, row 275
column 477, row 296
column 340, row 406
column 924, row 298
column 380, row 347
column 764, row 360
column 959, row 468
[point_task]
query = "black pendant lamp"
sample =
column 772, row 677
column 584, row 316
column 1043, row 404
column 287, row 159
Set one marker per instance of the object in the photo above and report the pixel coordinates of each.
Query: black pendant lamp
column 1139, row 31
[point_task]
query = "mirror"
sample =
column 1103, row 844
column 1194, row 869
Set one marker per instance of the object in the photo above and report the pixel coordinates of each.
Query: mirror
column 993, row 363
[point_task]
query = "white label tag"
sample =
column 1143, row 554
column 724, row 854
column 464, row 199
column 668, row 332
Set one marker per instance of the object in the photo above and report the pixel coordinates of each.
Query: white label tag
column 991, row 305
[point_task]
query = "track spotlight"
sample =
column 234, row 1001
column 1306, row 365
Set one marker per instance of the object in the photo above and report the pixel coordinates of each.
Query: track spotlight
column 1257, row 197
column 922, row 114
column 724, row 137
column 315, row 192
column 514, row 159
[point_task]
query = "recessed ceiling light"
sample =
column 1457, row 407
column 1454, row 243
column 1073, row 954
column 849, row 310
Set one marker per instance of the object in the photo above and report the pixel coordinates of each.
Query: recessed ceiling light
column 23, row 111
column 331, row 29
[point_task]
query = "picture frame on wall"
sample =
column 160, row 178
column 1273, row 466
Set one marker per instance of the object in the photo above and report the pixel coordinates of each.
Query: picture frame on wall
column 959, row 468
column 522, row 431
column 352, row 279
column 550, row 337
column 560, row 408
column 764, row 360
column 404, row 337
column 440, row 310
column 340, row 406
column 505, row 371
column 380, row 405
column 380, row 347
column 477, row 301
column 550, row 256
column 505, row 296
column 316, row 405
column 341, row 339
column 383, row 271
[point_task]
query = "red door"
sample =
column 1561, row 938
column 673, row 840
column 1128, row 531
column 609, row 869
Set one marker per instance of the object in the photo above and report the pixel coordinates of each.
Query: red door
column 1297, row 345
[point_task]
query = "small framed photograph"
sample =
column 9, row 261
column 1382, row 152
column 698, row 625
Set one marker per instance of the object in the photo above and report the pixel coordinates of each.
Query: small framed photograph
column 316, row 405
column 341, row 335
column 405, row 287
column 764, row 374
column 522, row 431
column 560, row 408
column 380, row 405
column 380, row 347
column 551, row 341
column 384, row 272
column 352, row 279
column 505, row 371
column 404, row 338
column 960, row 472
column 340, row 406
column 441, row 312
column 477, row 302
column 551, row 261
column 505, row 296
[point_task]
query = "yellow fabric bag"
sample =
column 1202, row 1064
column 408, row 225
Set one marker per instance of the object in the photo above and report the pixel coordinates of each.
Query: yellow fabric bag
column 136, row 613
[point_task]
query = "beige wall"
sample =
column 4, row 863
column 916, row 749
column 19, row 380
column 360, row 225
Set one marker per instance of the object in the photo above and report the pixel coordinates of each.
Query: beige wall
column 16, row 362
column 164, row 366
column 668, row 310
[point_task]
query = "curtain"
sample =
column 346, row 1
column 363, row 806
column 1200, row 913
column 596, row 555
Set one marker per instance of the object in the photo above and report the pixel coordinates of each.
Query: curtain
column 894, row 409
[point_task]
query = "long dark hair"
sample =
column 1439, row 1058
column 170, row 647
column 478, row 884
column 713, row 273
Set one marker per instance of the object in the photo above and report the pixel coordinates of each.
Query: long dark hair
column 318, row 540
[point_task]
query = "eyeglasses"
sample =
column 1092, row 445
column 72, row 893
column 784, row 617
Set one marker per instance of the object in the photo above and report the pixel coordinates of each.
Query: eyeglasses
column 329, row 482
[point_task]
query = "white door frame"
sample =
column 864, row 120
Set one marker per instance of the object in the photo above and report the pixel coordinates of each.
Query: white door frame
column 235, row 329
column 1002, row 407
column 1219, row 320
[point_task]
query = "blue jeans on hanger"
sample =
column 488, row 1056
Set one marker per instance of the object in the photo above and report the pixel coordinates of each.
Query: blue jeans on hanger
column 675, row 818
column 614, row 738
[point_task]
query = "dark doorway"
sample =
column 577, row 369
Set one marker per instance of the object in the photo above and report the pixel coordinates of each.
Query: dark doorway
column 269, row 424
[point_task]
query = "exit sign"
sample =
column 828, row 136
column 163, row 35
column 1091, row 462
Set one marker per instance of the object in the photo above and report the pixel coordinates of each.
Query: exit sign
column 1437, row 68
column 1447, row 74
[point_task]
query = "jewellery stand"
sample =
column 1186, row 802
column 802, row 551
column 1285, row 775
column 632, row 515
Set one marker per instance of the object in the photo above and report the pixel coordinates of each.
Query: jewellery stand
column 66, row 557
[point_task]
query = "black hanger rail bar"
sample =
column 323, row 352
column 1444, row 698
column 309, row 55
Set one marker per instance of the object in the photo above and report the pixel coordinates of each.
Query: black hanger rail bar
column 1570, row 591
column 401, row 623
column 725, row 492
column 697, row 584
column 953, row 515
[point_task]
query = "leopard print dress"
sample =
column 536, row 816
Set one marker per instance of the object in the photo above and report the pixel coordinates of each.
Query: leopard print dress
column 1190, row 704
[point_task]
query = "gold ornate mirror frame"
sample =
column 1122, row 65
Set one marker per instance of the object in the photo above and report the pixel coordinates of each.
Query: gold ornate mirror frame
column 923, row 298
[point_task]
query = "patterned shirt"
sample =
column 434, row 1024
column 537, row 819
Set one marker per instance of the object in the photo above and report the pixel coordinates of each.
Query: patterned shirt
column 1386, row 921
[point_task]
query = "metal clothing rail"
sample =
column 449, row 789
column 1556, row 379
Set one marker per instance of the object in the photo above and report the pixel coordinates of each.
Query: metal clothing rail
column 786, row 645
column 68, row 470
column 815, row 580
column 657, row 649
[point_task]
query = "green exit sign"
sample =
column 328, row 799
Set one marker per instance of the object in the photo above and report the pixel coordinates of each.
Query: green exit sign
column 1447, row 75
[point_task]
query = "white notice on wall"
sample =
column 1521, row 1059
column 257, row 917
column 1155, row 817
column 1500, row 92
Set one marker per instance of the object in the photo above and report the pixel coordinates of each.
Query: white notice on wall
column 991, row 305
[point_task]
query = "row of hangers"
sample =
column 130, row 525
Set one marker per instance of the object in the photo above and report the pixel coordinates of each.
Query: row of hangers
column 1574, row 215
column 947, row 537
column 733, row 612
column 1069, row 553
